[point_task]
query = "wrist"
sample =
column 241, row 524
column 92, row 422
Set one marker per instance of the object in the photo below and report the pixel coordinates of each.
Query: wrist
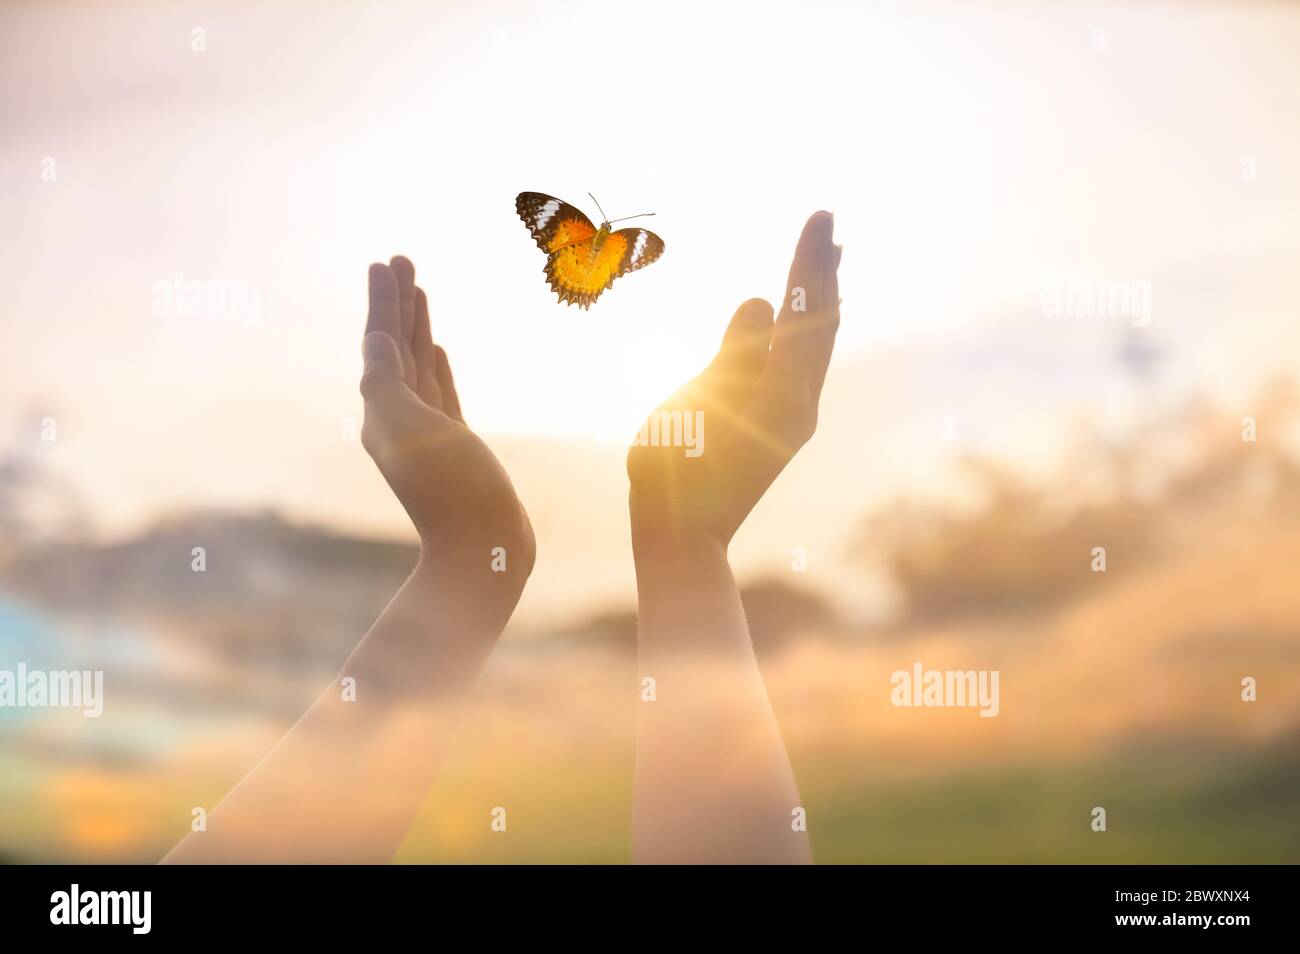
column 675, row 525
column 504, row 548
column 490, row 576
column 686, row 594
column 435, row 633
column 673, row 548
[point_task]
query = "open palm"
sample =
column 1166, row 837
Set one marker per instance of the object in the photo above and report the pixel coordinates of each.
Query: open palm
column 449, row 482
column 755, row 404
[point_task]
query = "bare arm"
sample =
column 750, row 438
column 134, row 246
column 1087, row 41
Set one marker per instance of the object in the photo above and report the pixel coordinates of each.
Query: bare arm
column 713, row 782
column 346, row 781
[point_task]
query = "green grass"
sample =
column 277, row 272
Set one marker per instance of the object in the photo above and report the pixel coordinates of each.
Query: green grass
column 1172, row 808
column 1171, row 805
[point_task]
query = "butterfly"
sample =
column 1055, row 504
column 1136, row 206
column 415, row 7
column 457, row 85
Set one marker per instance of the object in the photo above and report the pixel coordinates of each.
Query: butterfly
column 582, row 260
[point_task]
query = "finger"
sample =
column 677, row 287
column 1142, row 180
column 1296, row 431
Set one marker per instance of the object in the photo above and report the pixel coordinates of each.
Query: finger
column 404, row 271
column 828, row 321
column 747, row 339
column 394, row 415
column 447, row 385
column 792, row 336
column 423, row 348
column 385, row 303
column 382, row 375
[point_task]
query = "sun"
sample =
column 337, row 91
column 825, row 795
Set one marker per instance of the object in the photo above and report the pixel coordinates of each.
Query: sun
column 585, row 377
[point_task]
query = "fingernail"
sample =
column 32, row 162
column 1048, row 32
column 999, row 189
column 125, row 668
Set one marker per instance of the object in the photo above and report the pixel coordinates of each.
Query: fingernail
column 839, row 251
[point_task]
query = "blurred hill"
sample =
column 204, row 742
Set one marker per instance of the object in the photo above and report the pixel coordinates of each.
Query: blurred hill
column 271, row 592
column 1027, row 546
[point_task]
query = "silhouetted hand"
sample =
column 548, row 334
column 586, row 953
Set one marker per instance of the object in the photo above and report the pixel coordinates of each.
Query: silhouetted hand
column 757, row 401
column 417, row 664
column 452, row 486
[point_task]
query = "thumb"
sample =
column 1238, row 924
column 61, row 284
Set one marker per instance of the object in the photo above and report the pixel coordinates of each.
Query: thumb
column 383, row 365
column 730, row 376
column 745, row 344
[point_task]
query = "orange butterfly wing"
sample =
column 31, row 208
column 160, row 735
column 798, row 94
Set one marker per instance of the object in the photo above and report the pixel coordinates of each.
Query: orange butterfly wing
column 552, row 223
column 580, row 262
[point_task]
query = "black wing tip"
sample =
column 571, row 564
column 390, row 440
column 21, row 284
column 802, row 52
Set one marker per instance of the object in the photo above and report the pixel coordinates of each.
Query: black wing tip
column 525, row 197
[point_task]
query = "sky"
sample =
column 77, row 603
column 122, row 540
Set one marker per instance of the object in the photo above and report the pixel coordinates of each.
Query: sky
column 972, row 155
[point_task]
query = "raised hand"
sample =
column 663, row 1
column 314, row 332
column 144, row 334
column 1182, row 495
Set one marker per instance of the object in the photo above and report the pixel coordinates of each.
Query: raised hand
column 452, row 486
column 757, row 403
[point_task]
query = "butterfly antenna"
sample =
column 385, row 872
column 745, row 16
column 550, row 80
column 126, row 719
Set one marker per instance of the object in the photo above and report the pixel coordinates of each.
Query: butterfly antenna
column 603, row 216
column 639, row 215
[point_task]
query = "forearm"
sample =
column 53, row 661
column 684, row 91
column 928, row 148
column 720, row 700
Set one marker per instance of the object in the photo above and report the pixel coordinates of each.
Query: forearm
column 345, row 783
column 713, row 782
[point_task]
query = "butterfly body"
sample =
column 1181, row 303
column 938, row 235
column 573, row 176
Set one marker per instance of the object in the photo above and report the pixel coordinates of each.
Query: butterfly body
column 581, row 259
